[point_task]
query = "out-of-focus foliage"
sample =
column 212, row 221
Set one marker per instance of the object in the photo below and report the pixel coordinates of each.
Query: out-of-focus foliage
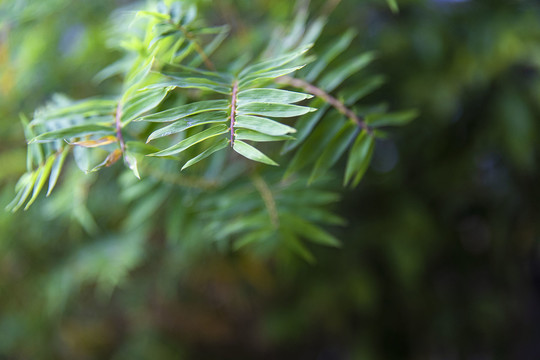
column 439, row 242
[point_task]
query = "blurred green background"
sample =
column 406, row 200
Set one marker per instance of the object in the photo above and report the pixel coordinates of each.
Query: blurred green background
column 440, row 257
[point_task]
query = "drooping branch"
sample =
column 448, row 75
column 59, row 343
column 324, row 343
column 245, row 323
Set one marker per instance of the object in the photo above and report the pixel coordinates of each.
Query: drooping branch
column 320, row 93
column 233, row 109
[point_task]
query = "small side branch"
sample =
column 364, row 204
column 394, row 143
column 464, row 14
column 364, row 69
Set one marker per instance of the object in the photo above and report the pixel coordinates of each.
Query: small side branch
column 320, row 93
column 233, row 109
column 119, row 128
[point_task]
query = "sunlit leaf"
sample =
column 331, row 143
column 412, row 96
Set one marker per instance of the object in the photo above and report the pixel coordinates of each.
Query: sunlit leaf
column 275, row 110
column 186, row 123
column 268, row 65
column 221, row 144
column 131, row 162
column 252, row 153
column 57, row 168
column 263, row 125
column 275, row 96
column 192, row 140
column 183, row 111
column 74, row 131
column 246, row 134
column 43, row 175
column 142, row 102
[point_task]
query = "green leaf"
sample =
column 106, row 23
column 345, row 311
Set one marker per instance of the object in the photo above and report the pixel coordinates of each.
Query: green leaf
column 268, row 65
column 305, row 125
column 359, row 158
column 186, row 123
column 137, row 74
column 183, row 111
column 295, row 245
column 272, row 74
column 35, row 152
column 84, row 108
column 335, row 77
column 140, row 148
column 391, row 119
column 82, row 158
column 275, row 110
column 246, row 134
column 330, row 54
column 365, row 88
column 192, row 140
column 316, row 143
column 251, row 237
column 309, row 231
column 131, row 162
column 263, row 125
column 27, row 184
column 56, row 169
column 185, row 73
column 44, row 172
column 143, row 101
column 275, row 96
column 221, row 144
column 74, row 131
column 190, row 83
column 333, row 151
column 251, row 153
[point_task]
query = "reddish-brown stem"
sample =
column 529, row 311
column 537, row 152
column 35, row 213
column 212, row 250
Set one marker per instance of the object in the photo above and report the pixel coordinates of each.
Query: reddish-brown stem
column 119, row 128
column 320, row 93
column 233, row 109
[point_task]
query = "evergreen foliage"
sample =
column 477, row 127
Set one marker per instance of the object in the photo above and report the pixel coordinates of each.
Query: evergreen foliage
column 180, row 102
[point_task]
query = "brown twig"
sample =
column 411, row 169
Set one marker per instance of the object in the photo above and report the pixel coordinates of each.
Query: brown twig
column 320, row 93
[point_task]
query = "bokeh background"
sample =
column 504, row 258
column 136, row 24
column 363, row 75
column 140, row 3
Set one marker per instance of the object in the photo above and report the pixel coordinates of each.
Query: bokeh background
column 440, row 256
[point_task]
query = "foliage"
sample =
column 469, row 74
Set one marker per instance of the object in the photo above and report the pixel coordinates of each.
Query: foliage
column 168, row 233
column 207, row 111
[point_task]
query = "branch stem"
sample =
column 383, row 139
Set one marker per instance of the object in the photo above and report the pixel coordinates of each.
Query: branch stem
column 320, row 93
